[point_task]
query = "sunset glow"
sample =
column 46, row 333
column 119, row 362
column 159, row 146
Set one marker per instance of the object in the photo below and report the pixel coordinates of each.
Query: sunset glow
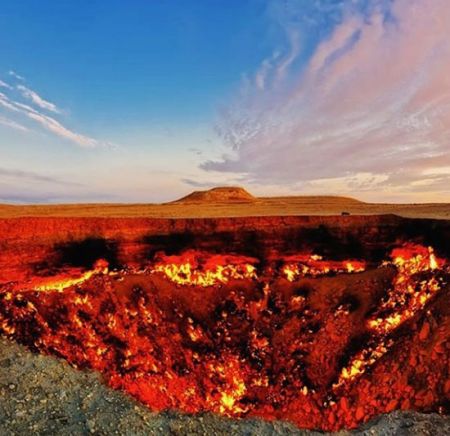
column 284, row 97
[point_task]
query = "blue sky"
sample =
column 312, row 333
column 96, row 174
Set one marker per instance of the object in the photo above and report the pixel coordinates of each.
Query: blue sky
column 147, row 100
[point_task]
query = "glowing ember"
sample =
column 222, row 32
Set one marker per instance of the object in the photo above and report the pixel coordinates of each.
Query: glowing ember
column 63, row 282
column 314, row 265
column 408, row 295
column 193, row 269
column 301, row 338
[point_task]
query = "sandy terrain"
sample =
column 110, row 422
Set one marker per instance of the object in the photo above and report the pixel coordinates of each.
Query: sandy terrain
column 232, row 202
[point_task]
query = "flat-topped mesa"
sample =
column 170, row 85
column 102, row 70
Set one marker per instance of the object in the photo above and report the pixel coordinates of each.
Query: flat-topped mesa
column 224, row 194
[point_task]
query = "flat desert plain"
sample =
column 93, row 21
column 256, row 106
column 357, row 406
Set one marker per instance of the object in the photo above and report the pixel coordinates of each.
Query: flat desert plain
column 231, row 202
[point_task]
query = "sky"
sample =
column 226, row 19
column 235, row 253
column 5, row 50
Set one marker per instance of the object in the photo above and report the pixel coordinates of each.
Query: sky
column 147, row 100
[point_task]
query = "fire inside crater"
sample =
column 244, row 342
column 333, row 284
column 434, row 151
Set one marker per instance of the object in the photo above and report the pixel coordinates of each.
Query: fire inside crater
column 324, row 343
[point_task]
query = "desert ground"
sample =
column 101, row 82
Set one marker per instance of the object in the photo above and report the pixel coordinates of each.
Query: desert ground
column 231, row 202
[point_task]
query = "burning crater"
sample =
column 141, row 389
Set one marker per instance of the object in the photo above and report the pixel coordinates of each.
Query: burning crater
column 323, row 328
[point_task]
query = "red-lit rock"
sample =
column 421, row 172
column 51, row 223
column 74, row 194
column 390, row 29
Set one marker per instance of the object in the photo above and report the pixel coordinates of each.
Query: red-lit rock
column 424, row 331
column 223, row 327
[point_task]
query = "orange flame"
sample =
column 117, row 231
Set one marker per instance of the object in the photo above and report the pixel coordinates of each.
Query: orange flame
column 407, row 297
column 229, row 343
column 314, row 265
column 62, row 282
column 197, row 269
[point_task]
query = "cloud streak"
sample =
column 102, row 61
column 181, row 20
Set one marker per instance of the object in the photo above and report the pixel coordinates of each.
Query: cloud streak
column 31, row 176
column 12, row 124
column 16, row 76
column 37, row 99
column 372, row 104
column 5, row 85
column 36, row 115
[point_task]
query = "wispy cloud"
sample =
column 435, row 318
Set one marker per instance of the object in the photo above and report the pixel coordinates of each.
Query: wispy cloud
column 37, row 99
column 36, row 115
column 197, row 184
column 23, row 198
column 5, row 85
column 371, row 107
column 31, row 176
column 56, row 127
column 24, row 186
column 12, row 124
column 16, row 76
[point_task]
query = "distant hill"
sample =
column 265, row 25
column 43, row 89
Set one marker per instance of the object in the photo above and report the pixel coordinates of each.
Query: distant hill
column 230, row 202
column 236, row 194
column 231, row 194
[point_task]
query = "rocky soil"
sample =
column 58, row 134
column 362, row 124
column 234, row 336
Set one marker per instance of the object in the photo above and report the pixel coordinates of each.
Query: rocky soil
column 42, row 395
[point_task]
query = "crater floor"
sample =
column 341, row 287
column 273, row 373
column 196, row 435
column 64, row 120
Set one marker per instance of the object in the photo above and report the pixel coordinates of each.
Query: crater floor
column 42, row 395
column 326, row 344
column 325, row 322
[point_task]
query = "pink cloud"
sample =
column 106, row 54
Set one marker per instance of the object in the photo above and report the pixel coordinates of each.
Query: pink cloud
column 374, row 99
